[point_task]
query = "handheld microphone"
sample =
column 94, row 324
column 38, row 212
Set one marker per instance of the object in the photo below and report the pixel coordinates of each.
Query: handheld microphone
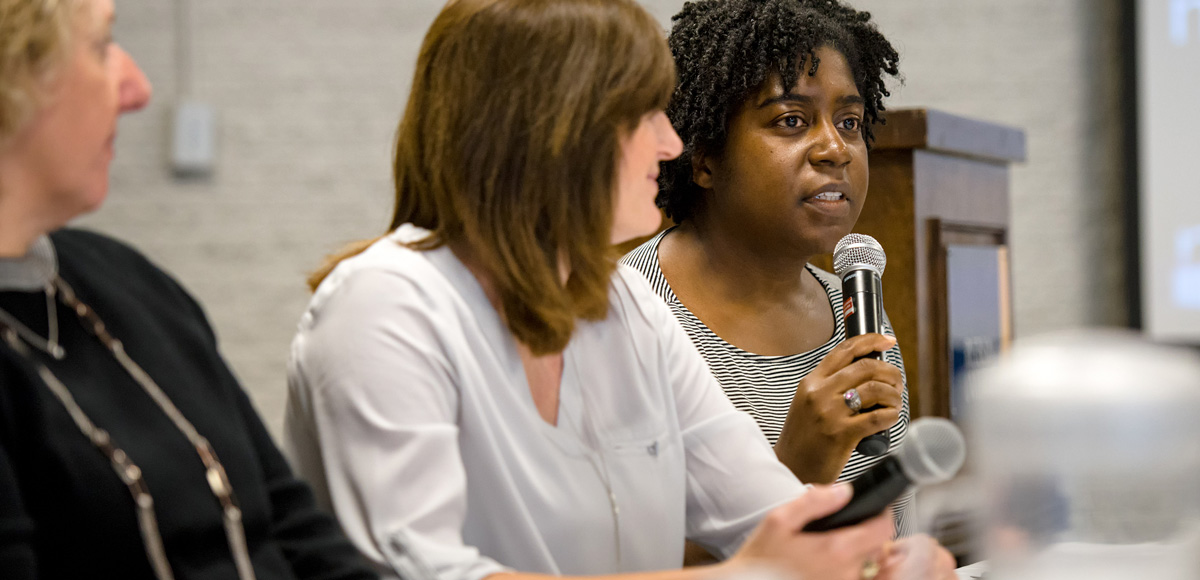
column 932, row 453
column 859, row 261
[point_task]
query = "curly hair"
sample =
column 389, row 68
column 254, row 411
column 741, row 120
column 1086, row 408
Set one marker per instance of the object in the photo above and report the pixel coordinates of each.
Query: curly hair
column 726, row 49
column 34, row 35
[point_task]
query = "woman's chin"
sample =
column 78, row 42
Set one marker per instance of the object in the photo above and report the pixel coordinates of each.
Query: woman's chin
column 90, row 200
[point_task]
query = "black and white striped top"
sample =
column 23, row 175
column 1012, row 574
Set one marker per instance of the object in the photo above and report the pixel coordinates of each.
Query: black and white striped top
column 763, row 386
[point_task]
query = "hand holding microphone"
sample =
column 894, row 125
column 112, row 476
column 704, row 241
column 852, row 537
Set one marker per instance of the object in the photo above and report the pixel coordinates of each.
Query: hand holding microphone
column 851, row 399
column 933, row 452
column 821, row 430
column 854, row 522
column 778, row 544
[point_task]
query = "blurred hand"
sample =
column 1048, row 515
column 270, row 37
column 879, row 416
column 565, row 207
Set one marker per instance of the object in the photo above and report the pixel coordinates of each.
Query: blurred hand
column 839, row 554
column 917, row 558
column 820, row 430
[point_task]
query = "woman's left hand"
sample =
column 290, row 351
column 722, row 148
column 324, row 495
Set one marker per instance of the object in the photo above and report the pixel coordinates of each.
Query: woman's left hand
column 916, row 558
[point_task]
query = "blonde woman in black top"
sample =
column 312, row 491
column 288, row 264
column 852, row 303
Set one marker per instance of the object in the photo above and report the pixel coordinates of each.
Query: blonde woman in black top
column 127, row 448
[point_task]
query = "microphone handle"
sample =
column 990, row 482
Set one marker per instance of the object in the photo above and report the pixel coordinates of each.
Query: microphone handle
column 874, row 490
column 863, row 313
column 874, row 445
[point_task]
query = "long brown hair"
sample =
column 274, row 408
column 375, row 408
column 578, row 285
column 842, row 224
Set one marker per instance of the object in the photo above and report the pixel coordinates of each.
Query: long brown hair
column 510, row 143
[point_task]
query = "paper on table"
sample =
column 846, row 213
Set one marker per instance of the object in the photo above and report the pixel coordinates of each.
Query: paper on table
column 972, row 571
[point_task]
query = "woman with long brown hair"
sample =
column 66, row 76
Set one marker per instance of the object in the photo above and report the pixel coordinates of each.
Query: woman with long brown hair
column 482, row 390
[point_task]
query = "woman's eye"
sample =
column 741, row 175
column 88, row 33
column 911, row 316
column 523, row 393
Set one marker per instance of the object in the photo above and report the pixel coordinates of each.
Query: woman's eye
column 850, row 124
column 791, row 122
column 103, row 45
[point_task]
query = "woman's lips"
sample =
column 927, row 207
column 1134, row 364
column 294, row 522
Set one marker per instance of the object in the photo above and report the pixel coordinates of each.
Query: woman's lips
column 829, row 196
column 830, row 203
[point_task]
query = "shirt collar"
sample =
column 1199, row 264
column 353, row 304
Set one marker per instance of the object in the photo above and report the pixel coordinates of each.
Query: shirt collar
column 30, row 272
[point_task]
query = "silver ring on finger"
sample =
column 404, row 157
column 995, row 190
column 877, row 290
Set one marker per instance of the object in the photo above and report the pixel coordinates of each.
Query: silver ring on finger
column 852, row 400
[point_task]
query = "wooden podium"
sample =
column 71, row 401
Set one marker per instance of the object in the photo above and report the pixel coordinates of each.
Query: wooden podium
column 939, row 191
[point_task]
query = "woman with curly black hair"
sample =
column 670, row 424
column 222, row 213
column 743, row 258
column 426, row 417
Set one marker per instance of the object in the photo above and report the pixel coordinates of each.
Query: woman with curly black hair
column 774, row 102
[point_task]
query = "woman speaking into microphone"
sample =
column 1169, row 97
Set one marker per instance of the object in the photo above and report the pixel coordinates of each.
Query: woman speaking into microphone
column 774, row 103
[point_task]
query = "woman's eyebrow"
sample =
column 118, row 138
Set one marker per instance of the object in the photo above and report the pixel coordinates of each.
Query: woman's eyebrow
column 807, row 100
column 787, row 98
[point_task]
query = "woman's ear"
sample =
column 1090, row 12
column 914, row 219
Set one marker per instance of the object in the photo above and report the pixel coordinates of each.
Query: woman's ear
column 702, row 169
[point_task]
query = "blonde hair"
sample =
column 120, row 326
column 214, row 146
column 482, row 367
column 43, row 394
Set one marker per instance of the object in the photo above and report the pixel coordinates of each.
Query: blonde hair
column 34, row 35
column 510, row 144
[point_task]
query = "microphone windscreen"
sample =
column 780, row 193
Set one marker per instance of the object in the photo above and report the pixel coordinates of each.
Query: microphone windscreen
column 855, row 251
column 933, row 451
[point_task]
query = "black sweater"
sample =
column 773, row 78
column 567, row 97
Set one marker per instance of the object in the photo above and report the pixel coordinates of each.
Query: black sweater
column 63, row 512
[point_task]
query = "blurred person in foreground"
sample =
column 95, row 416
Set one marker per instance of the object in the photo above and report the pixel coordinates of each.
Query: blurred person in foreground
column 482, row 392
column 774, row 103
column 127, row 448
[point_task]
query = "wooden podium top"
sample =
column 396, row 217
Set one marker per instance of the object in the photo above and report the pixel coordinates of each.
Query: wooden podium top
column 950, row 134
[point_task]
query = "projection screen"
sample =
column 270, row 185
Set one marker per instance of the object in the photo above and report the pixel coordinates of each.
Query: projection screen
column 1168, row 142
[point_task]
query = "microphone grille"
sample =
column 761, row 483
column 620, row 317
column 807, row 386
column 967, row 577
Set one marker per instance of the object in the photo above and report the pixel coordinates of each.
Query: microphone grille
column 856, row 251
column 933, row 451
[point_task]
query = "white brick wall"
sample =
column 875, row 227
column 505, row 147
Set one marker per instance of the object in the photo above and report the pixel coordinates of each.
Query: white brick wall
column 308, row 93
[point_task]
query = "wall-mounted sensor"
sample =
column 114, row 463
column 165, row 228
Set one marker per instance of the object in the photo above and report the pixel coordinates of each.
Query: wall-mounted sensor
column 194, row 142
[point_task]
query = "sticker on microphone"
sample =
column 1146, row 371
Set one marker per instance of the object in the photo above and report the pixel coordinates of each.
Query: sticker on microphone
column 848, row 308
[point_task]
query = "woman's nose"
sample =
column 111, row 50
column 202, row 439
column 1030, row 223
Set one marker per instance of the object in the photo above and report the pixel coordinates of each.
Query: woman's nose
column 134, row 89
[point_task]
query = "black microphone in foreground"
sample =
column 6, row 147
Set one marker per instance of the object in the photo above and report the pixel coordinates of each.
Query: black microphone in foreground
column 932, row 453
column 859, row 261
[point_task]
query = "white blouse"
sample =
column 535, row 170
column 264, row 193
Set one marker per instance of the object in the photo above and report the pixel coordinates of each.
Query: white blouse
column 410, row 413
